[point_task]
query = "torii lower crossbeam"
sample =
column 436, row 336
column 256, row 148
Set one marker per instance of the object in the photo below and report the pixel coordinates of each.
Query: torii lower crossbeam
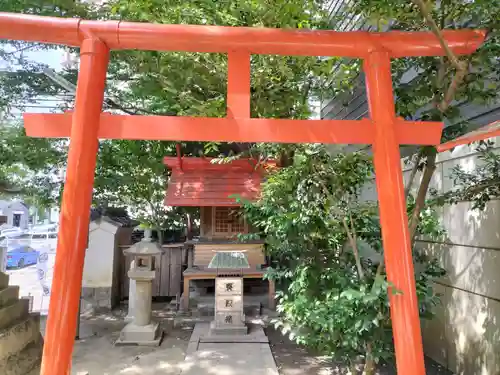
column 86, row 124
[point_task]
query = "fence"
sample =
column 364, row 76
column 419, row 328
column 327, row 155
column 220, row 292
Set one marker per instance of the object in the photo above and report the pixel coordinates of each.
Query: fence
column 169, row 267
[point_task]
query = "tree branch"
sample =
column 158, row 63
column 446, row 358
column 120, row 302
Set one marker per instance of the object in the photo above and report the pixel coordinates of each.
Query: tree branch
column 457, row 80
column 351, row 234
column 430, row 167
column 465, row 194
column 437, row 31
column 17, row 50
column 460, row 66
column 413, row 173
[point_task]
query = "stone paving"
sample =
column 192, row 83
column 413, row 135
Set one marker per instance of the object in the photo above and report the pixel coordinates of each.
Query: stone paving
column 177, row 355
column 185, row 350
column 228, row 355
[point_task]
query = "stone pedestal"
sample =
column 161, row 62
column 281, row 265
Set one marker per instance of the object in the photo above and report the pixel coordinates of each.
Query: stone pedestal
column 141, row 331
column 229, row 315
column 148, row 335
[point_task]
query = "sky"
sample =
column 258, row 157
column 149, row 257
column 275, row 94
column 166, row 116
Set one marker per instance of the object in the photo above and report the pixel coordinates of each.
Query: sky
column 53, row 59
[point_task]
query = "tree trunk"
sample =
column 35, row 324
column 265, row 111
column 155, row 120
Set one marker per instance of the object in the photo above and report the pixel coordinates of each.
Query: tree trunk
column 430, row 153
column 369, row 368
column 413, row 173
column 286, row 157
column 351, row 234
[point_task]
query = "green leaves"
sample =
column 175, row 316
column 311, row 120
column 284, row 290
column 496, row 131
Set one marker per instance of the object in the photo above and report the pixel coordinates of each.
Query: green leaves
column 176, row 84
column 30, row 167
column 323, row 303
column 479, row 184
column 366, row 251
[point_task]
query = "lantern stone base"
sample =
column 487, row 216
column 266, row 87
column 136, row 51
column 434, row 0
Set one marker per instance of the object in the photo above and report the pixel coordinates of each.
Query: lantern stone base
column 227, row 329
column 132, row 334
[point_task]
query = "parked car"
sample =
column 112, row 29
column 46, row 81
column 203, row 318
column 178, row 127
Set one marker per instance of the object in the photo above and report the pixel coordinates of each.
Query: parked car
column 9, row 237
column 44, row 239
column 44, row 228
column 11, row 232
column 20, row 256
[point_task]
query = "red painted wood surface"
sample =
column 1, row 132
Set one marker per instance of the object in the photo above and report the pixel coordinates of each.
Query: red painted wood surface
column 393, row 217
column 75, row 209
column 202, row 183
column 485, row 132
column 212, row 129
column 219, row 39
column 383, row 130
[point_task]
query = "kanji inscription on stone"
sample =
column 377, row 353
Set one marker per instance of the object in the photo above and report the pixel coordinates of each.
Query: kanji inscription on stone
column 229, row 287
column 229, row 303
column 228, row 319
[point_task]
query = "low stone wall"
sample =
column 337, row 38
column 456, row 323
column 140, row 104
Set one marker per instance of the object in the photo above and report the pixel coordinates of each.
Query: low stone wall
column 21, row 342
column 97, row 299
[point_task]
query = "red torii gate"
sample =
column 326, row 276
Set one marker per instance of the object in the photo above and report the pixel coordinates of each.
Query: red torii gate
column 87, row 124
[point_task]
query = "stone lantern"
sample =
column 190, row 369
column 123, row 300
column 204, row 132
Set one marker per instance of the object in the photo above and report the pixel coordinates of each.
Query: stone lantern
column 141, row 330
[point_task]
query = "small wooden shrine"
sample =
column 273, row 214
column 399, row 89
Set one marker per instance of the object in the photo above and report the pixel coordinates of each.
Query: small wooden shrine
column 201, row 183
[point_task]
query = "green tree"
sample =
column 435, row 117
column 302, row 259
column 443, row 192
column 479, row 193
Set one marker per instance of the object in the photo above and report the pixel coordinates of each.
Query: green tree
column 149, row 82
column 30, row 167
column 479, row 185
column 328, row 257
column 442, row 84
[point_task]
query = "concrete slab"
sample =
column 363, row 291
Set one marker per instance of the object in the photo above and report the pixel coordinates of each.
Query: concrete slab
column 201, row 333
column 218, row 355
column 230, row 359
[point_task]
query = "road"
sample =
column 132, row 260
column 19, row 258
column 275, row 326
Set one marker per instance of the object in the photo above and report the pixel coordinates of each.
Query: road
column 27, row 277
column 29, row 285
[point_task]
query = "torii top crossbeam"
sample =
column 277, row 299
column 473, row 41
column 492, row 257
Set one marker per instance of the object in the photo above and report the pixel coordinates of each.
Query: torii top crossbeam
column 118, row 35
column 87, row 123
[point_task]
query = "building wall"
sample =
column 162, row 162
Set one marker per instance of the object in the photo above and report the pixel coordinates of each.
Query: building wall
column 17, row 207
column 98, row 269
column 465, row 334
column 102, row 269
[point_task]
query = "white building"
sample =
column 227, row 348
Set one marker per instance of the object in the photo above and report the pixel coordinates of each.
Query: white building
column 14, row 213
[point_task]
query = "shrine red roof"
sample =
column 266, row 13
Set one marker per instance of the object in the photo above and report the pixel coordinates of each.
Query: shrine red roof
column 485, row 132
column 199, row 182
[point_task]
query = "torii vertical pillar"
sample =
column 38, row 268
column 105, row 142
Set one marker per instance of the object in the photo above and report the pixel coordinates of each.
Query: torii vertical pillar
column 75, row 208
column 393, row 217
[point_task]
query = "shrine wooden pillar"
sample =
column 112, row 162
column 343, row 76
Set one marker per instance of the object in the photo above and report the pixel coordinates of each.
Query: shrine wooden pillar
column 75, row 209
column 393, row 216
